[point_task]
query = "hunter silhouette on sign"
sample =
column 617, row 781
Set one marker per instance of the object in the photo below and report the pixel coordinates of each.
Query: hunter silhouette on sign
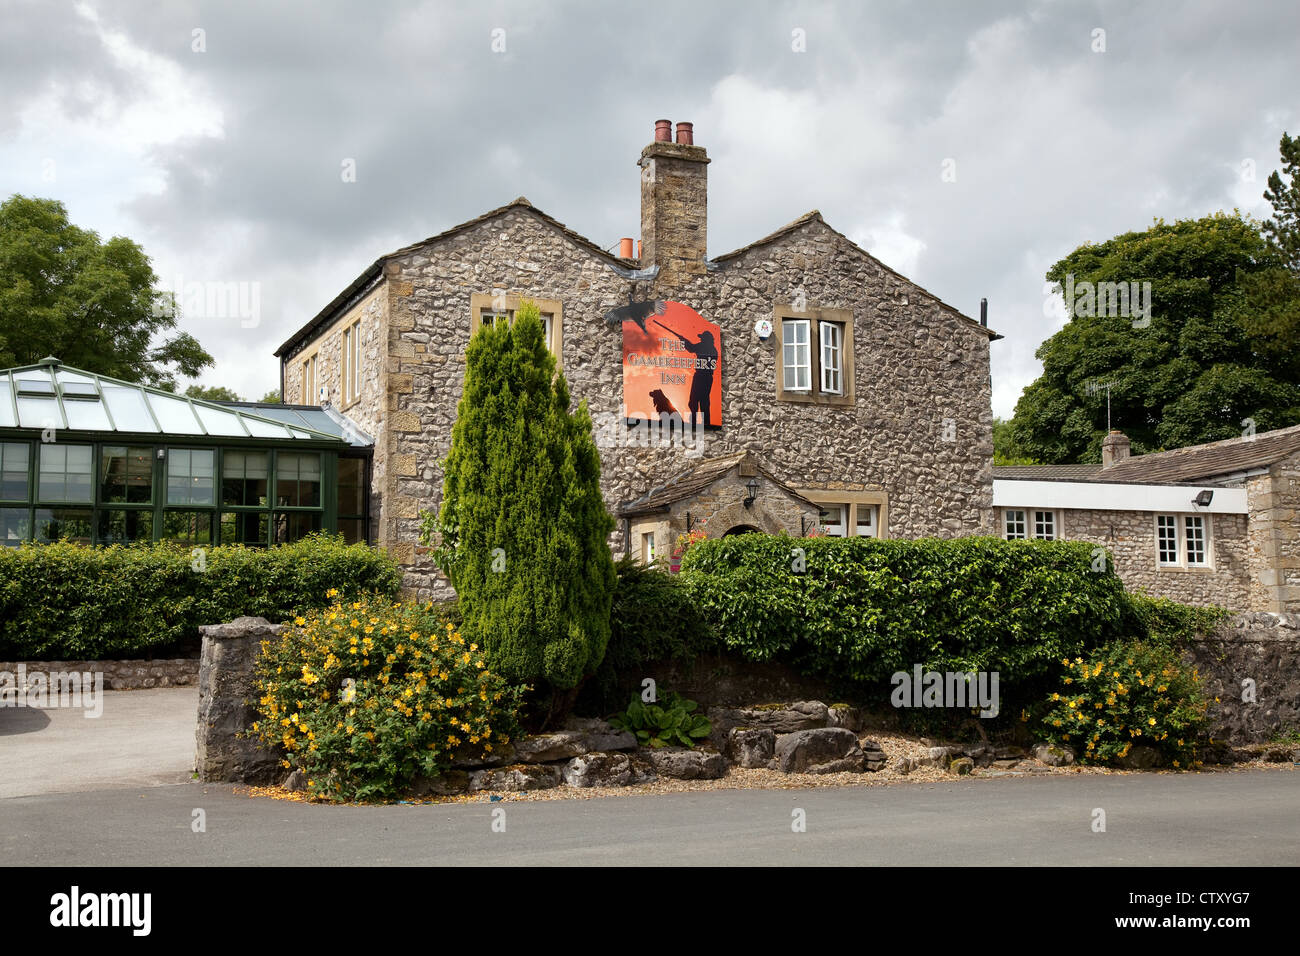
column 706, row 355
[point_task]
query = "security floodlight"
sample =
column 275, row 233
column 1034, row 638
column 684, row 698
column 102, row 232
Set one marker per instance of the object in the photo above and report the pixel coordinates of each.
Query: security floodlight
column 1203, row 498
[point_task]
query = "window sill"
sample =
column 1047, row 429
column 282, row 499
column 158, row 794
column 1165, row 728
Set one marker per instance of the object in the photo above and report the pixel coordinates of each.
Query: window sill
column 1194, row 569
column 814, row 398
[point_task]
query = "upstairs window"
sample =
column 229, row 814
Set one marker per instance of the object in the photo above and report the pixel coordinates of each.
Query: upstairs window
column 486, row 308
column 814, row 349
column 309, row 396
column 66, row 473
column 352, row 363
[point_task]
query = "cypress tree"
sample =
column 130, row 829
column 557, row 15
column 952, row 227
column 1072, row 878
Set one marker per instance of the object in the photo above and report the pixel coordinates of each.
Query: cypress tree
column 524, row 527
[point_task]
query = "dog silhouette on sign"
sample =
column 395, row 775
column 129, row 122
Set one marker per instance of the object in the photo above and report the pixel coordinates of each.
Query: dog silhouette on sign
column 664, row 410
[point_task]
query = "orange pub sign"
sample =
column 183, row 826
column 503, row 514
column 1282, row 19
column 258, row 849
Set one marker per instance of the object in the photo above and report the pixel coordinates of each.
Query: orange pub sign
column 672, row 364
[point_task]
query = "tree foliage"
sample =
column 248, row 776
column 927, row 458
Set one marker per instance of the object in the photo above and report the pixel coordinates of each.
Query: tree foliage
column 213, row 393
column 1212, row 354
column 91, row 303
column 523, row 526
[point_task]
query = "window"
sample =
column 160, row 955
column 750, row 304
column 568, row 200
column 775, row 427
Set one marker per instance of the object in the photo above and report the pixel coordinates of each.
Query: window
column 1013, row 525
column 14, row 460
column 1182, row 541
column 352, row 363
column 292, row 525
column 354, row 499
column 1194, row 537
column 832, row 347
column 815, row 355
column 1019, row 524
column 1045, row 525
column 55, row 524
column 244, row 478
column 122, row 526
column 125, row 475
column 297, row 479
column 190, row 477
column 648, row 548
column 866, row 521
column 835, row 520
column 487, row 308
column 65, row 473
column 795, row 362
column 1167, row 539
column 187, row 527
column 15, row 526
column 309, row 396
column 249, row 528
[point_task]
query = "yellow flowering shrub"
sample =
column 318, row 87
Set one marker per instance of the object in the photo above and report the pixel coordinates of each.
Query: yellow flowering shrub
column 363, row 696
column 1128, row 693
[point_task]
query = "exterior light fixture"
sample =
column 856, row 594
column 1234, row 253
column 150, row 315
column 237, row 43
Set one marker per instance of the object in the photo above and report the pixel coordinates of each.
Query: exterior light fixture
column 1203, row 498
column 752, row 487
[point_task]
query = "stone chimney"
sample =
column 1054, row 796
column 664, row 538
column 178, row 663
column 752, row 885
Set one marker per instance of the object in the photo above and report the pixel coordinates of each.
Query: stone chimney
column 674, row 204
column 1114, row 448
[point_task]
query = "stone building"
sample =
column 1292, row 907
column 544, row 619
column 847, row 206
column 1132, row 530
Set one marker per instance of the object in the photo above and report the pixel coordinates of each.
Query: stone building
column 1207, row 524
column 815, row 384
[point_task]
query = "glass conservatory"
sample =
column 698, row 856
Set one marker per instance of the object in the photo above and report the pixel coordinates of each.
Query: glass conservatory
column 95, row 460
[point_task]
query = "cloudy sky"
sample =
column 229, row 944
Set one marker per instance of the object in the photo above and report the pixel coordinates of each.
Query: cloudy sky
column 218, row 135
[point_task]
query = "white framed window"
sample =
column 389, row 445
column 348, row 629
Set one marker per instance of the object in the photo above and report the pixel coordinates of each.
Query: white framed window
column 648, row 547
column 1045, row 525
column 1194, row 549
column 835, row 520
column 1014, row 525
column 309, row 381
column 352, row 362
column 865, row 520
column 832, row 357
column 796, row 361
column 488, row 316
column 1167, row 540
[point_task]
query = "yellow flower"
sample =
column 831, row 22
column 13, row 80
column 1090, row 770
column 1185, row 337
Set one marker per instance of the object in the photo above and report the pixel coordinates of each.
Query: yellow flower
column 332, row 592
column 1151, row 721
column 300, row 621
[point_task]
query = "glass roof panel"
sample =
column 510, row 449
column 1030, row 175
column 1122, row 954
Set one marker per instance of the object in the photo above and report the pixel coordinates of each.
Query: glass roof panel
column 30, row 385
column 67, row 375
column 220, row 422
column 262, row 429
column 174, row 415
column 128, row 409
column 80, row 391
column 7, row 417
column 39, row 413
column 87, row 416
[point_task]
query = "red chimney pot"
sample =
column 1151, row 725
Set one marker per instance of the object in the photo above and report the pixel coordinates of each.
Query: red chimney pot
column 625, row 248
column 686, row 134
column 663, row 131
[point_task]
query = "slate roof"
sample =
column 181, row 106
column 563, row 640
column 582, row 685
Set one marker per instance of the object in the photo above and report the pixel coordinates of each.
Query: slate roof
column 362, row 283
column 1191, row 465
column 695, row 479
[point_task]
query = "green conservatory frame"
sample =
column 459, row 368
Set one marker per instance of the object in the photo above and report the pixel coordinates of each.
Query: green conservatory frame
column 115, row 485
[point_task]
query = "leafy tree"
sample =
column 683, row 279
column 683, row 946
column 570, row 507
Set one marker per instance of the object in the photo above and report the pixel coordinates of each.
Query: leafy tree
column 91, row 303
column 523, row 525
column 1005, row 449
column 1192, row 373
column 212, row 393
column 271, row 398
column 1283, row 230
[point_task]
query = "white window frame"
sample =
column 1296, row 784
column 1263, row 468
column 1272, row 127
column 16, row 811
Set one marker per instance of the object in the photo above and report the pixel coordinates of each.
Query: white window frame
column 832, row 357
column 790, row 348
column 309, row 380
column 352, row 363
column 872, row 512
column 1173, row 529
column 1052, row 518
column 840, row 529
column 647, row 547
column 1022, row 522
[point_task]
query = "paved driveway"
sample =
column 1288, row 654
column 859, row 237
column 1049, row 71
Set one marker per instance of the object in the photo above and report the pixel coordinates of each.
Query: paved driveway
column 143, row 738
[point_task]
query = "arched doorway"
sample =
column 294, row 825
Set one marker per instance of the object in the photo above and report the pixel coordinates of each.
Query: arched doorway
column 741, row 529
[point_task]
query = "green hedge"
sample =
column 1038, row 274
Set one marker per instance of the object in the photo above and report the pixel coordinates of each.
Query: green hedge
column 864, row 609
column 652, row 618
column 68, row 601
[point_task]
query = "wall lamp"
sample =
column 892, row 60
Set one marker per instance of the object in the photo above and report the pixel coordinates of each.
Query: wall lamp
column 1203, row 498
column 752, row 487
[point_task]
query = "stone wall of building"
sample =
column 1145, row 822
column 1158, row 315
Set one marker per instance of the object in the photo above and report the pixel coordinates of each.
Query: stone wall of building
column 1130, row 537
column 920, row 430
column 1274, row 502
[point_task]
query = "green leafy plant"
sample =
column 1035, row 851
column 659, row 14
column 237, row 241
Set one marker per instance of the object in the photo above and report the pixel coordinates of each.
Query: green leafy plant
column 1124, row 694
column 365, row 695
column 673, row 721
column 66, row 601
